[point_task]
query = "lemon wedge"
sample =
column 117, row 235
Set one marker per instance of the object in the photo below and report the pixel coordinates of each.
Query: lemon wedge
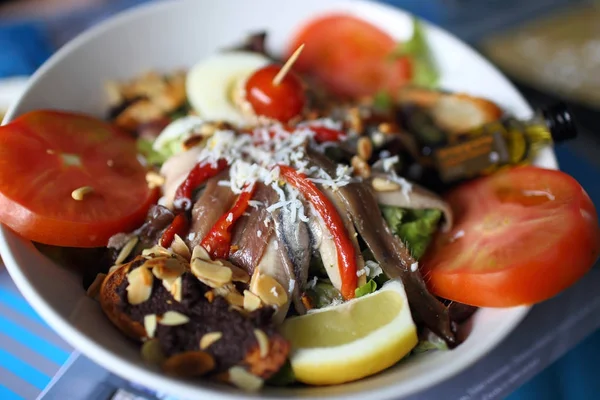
column 352, row 340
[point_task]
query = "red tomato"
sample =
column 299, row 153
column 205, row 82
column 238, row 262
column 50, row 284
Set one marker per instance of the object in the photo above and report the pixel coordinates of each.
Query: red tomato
column 45, row 155
column 520, row 237
column 280, row 102
column 350, row 56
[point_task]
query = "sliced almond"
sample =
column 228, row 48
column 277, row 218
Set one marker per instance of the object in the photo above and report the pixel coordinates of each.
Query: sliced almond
column 235, row 299
column 230, row 293
column 364, row 148
column 251, row 301
column 148, row 84
column 213, row 275
column 385, row 127
column 139, row 112
column 166, row 268
column 384, row 185
column 155, row 251
column 355, row 120
column 173, row 95
column 173, row 318
column 94, row 290
column 269, row 290
column 200, row 253
column 189, row 364
column 126, row 250
column 179, row 247
column 209, row 338
column 238, row 274
column 244, row 380
column 152, row 352
column 139, row 288
column 176, row 289
column 155, row 254
column 154, row 179
column 263, row 342
column 361, row 168
column 168, row 284
column 150, row 325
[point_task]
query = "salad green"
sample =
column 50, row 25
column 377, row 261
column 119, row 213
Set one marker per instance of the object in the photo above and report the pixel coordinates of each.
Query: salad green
column 425, row 73
column 414, row 227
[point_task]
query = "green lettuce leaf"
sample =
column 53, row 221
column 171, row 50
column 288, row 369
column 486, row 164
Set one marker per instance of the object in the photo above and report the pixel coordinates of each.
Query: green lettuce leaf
column 181, row 112
column 323, row 294
column 144, row 147
column 414, row 227
column 284, row 377
column 429, row 341
column 382, row 101
column 366, row 289
column 425, row 73
column 170, row 148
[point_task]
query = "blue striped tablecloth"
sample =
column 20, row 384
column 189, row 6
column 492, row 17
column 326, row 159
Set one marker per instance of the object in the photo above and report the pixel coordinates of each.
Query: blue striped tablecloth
column 30, row 352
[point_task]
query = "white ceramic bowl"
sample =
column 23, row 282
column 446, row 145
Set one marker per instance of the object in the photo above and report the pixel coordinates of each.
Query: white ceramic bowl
column 168, row 35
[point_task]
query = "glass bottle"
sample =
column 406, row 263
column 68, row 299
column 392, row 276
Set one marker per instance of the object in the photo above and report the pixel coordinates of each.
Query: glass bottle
column 506, row 142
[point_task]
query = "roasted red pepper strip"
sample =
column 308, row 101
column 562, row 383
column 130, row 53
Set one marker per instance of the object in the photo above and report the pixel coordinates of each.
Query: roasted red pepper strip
column 179, row 226
column 345, row 249
column 218, row 239
column 197, row 176
column 323, row 134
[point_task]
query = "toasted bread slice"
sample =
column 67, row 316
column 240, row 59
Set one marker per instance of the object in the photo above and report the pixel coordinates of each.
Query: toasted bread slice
column 265, row 367
column 110, row 301
column 260, row 359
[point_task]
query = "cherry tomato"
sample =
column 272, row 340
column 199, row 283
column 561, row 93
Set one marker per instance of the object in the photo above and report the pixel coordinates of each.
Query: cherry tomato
column 46, row 155
column 521, row 236
column 350, row 57
column 281, row 102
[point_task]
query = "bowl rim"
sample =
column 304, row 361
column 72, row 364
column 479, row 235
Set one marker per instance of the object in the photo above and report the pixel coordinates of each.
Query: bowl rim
column 156, row 380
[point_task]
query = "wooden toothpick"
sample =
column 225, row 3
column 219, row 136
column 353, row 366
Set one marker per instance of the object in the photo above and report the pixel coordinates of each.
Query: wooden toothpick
column 287, row 66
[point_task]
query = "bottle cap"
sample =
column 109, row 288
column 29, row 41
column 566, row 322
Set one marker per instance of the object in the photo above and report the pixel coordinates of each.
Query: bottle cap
column 560, row 122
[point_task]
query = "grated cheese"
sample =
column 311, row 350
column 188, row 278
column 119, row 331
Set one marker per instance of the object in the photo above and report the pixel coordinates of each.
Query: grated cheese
column 414, row 266
column 373, row 269
column 389, row 162
column 255, row 203
column 256, row 157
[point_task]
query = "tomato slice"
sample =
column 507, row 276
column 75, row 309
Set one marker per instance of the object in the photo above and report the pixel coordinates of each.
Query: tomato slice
column 521, row 236
column 349, row 56
column 45, row 155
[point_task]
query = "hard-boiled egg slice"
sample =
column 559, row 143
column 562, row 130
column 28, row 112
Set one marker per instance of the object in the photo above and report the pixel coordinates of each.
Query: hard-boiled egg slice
column 177, row 131
column 211, row 83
